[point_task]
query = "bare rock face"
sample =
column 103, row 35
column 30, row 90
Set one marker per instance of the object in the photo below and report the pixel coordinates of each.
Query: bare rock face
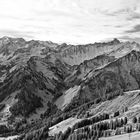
column 74, row 55
column 81, row 71
column 33, row 73
column 120, row 75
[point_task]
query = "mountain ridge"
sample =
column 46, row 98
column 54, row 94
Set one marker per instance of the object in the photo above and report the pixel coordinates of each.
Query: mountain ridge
column 40, row 80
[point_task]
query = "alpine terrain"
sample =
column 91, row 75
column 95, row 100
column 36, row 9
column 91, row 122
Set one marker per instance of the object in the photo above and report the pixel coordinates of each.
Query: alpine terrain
column 51, row 91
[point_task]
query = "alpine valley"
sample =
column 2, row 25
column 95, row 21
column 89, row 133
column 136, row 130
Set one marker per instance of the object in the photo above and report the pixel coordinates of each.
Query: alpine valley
column 51, row 91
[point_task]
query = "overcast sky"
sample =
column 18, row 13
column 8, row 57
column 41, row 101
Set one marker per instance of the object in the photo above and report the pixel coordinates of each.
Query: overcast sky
column 72, row 21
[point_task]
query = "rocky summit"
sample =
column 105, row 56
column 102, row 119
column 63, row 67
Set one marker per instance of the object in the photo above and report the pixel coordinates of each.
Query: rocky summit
column 51, row 91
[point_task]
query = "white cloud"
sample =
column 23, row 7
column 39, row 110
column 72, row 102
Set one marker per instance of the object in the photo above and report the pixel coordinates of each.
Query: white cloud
column 74, row 21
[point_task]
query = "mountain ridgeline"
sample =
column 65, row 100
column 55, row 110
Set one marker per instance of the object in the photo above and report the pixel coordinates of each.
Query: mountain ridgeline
column 40, row 78
column 37, row 72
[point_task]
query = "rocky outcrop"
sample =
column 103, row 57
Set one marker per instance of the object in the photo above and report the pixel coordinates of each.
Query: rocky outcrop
column 120, row 75
column 81, row 71
column 74, row 55
column 35, row 72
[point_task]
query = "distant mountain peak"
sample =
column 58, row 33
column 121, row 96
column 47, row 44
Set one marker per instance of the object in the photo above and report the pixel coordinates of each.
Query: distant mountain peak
column 116, row 41
column 5, row 39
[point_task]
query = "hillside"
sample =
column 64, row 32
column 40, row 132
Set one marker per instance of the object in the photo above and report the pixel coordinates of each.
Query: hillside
column 47, row 87
column 129, row 100
column 110, row 80
column 133, row 136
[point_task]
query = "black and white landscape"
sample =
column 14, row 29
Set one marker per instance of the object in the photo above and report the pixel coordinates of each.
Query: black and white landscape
column 69, row 70
column 85, row 91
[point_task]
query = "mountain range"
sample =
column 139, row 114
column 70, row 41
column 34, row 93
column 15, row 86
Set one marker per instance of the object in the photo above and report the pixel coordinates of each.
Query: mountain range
column 41, row 81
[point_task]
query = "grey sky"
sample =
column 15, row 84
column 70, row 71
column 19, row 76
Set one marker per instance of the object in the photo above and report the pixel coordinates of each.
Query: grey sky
column 72, row 21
